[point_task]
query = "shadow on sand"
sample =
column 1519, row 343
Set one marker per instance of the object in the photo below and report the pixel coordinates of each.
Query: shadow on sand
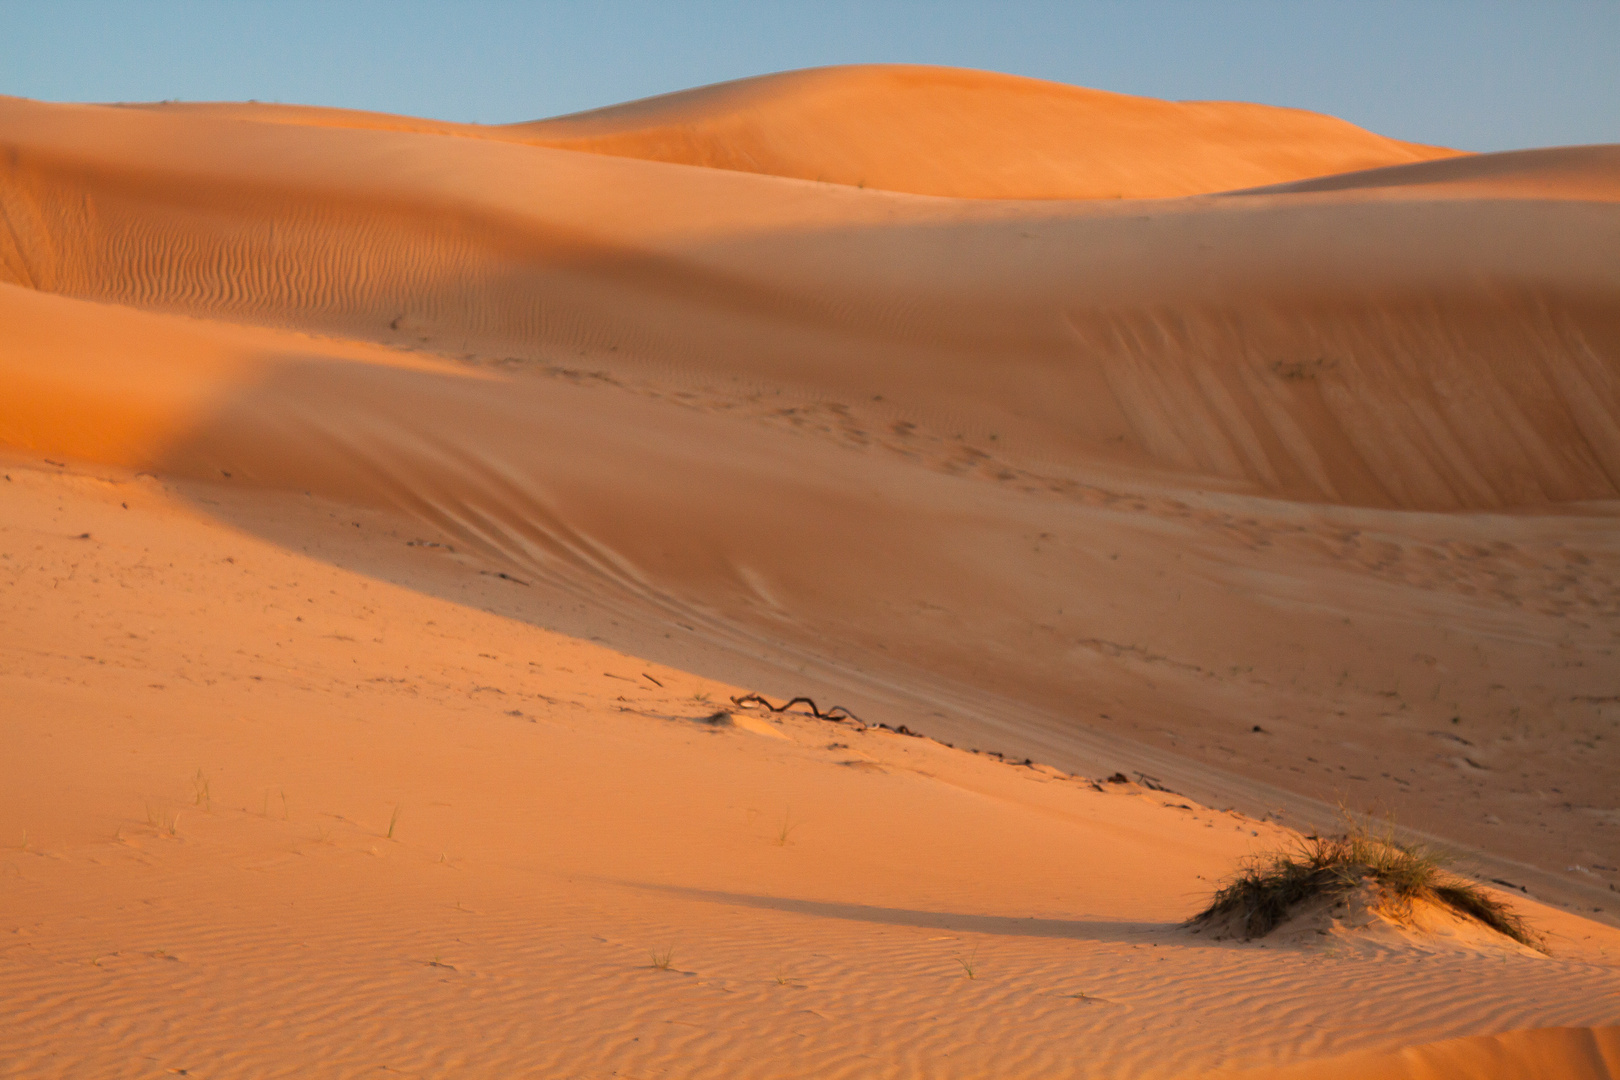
column 1103, row 930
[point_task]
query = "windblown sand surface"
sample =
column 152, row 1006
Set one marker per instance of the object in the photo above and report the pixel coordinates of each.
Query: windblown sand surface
column 934, row 131
column 390, row 506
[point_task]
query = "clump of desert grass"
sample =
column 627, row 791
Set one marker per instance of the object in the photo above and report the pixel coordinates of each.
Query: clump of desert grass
column 1271, row 885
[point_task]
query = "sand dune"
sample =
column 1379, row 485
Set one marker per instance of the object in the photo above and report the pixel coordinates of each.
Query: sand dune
column 1296, row 495
column 973, row 134
column 933, row 131
column 1204, row 338
column 345, row 809
column 1577, row 173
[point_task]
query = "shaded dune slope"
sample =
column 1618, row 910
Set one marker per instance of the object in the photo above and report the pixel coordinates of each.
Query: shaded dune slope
column 1356, row 346
column 935, row 131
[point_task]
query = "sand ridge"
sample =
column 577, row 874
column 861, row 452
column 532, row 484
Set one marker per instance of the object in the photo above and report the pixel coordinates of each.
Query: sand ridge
column 933, row 131
column 1204, row 338
column 1580, row 173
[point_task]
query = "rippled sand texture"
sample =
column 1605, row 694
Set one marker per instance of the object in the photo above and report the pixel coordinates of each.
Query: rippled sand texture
column 467, row 470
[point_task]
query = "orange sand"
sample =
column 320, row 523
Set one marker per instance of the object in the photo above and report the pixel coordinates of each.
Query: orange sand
column 466, row 471
column 934, row 131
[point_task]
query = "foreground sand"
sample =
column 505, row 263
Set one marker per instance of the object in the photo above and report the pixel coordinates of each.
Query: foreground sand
column 360, row 464
column 210, row 735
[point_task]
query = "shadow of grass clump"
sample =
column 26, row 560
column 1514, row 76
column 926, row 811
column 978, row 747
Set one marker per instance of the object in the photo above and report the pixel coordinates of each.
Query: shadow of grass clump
column 1265, row 890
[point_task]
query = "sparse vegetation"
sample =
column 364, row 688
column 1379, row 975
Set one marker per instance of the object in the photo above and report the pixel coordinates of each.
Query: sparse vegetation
column 201, row 795
column 788, row 825
column 392, row 821
column 970, row 963
column 1270, row 885
column 163, row 821
column 662, row 960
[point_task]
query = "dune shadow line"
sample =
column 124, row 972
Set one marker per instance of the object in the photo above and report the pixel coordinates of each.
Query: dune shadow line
column 1002, row 925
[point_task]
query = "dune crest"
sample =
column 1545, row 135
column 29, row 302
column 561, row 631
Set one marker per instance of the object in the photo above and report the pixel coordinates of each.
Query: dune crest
column 1407, row 351
column 1573, row 173
column 974, row 134
column 937, row 131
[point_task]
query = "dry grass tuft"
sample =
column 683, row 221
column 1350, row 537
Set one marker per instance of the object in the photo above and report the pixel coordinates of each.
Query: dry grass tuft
column 788, row 825
column 1270, row 885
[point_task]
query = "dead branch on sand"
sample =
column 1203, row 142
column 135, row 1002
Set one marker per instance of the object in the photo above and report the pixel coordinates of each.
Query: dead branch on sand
column 837, row 713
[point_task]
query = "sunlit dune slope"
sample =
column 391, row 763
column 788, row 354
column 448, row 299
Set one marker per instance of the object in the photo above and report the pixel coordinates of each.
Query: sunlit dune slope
column 334, row 806
column 938, row 131
column 1580, row 173
column 1387, row 345
column 975, row 134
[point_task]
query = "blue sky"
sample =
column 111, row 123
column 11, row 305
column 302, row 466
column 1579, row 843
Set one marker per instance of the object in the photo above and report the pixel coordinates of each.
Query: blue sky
column 1479, row 75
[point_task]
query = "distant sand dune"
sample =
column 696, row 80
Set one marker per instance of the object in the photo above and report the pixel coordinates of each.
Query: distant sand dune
column 1308, row 345
column 936, row 131
column 1579, row 173
column 973, row 134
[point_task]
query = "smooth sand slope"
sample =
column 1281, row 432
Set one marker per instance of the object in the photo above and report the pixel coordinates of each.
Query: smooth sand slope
column 1283, row 498
column 336, row 807
column 935, row 131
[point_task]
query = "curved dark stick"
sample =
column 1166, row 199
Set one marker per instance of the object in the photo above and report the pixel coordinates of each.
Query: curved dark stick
column 837, row 712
